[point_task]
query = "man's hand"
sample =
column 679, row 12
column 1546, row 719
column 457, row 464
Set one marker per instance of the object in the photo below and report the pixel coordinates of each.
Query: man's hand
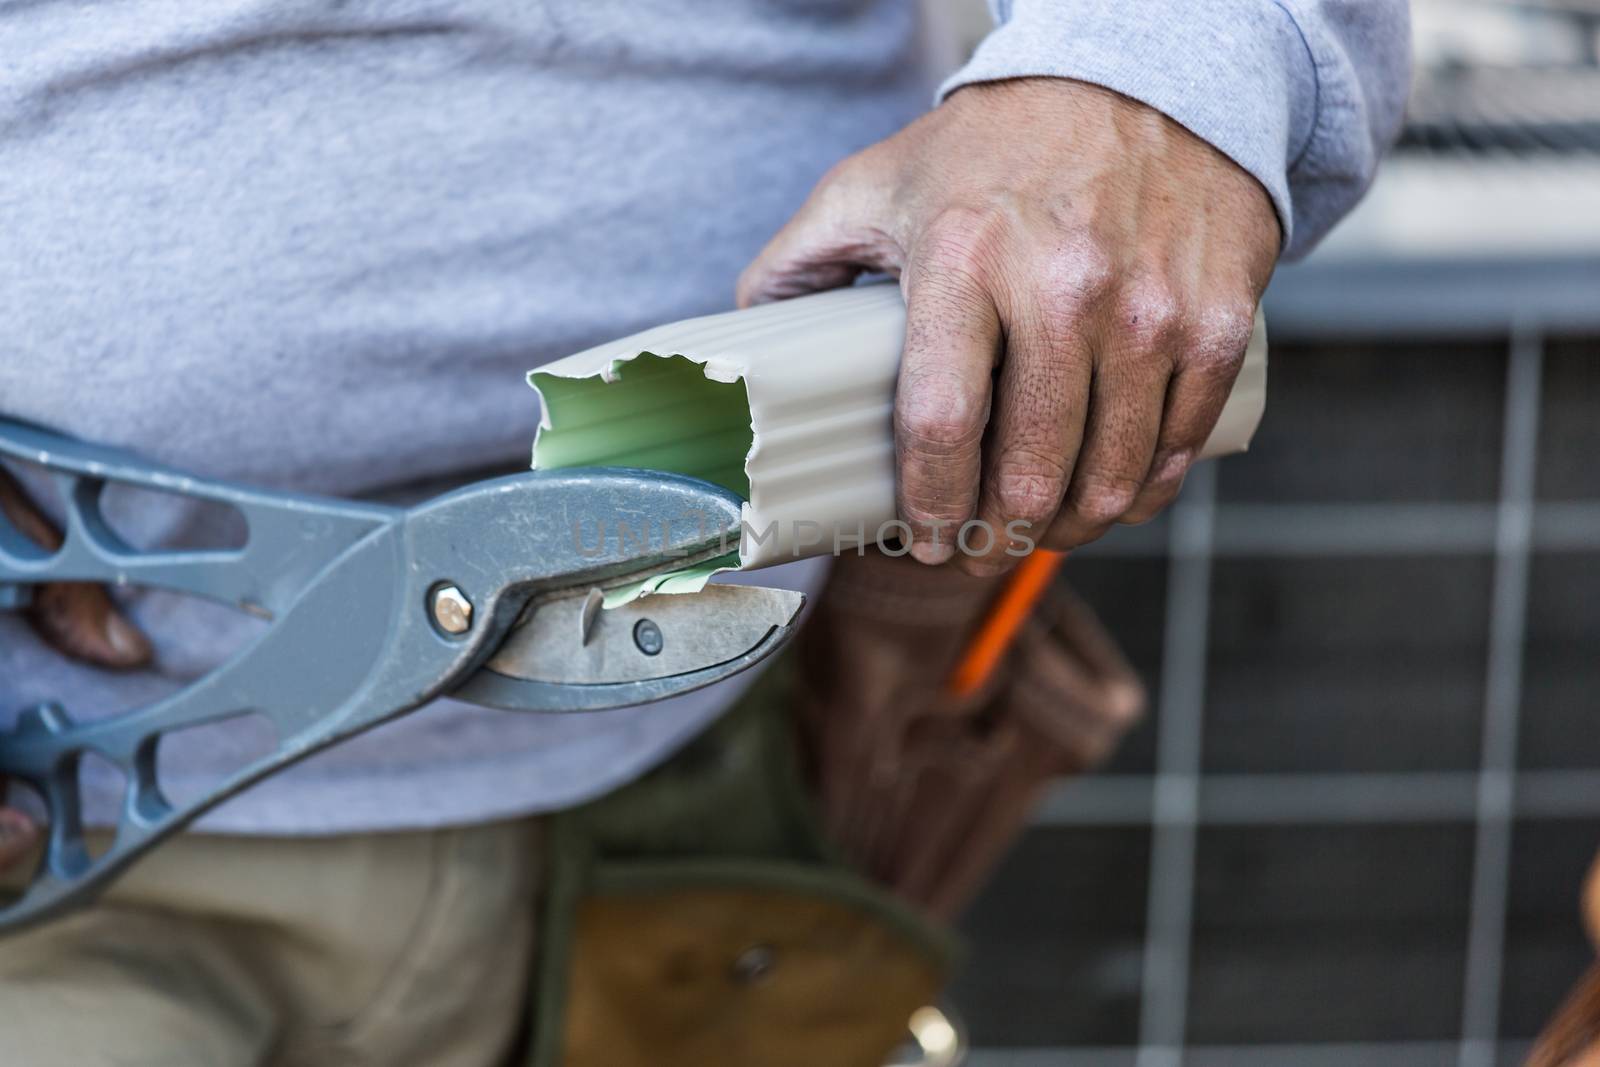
column 1080, row 274
column 78, row 620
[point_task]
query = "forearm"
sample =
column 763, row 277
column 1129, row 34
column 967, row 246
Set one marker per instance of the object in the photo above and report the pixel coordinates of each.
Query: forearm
column 1302, row 94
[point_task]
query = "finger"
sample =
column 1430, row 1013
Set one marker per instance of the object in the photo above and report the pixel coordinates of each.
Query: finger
column 81, row 621
column 942, row 400
column 835, row 236
column 1034, row 435
column 1195, row 399
column 18, row 834
column 77, row 619
column 1126, row 401
column 21, row 513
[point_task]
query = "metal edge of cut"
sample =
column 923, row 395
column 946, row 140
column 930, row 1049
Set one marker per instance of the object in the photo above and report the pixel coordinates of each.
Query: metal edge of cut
column 819, row 373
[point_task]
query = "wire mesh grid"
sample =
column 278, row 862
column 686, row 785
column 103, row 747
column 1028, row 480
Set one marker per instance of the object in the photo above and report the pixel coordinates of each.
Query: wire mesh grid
column 1183, row 807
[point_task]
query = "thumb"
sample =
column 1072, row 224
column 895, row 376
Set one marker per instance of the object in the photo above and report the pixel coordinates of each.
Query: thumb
column 840, row 231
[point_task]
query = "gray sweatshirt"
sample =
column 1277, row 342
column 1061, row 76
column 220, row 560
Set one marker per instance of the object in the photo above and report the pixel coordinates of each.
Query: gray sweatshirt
column 315, row 245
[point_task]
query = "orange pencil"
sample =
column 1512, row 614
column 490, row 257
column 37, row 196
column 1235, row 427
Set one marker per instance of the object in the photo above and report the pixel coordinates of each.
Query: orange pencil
column 1012, row 608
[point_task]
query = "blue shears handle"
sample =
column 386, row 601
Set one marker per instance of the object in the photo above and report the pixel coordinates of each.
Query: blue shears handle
column 354, row 639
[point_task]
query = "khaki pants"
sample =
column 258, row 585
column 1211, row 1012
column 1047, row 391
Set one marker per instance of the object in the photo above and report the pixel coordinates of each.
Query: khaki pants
column 385, row 949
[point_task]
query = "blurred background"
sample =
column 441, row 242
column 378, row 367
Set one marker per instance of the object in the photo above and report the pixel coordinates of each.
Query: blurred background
column 1354, row 828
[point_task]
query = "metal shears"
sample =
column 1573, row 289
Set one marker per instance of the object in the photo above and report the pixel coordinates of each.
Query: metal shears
column 491, row 594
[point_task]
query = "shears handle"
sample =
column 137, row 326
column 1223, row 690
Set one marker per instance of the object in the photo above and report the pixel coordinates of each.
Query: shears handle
column 355, row 640
column 289, row 537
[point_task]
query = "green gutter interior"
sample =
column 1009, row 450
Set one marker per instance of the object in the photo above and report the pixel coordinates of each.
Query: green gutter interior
column 658, row 413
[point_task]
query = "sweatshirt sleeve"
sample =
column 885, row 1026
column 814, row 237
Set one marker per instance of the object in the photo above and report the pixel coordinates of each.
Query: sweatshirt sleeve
column 1303, row 94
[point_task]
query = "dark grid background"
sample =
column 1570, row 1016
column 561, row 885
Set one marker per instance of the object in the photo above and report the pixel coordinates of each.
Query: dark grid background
column 1354, row 828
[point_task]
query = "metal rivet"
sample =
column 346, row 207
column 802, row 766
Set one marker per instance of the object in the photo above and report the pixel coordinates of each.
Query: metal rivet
column 647, row 635
column 754, row 964
column 452, row 610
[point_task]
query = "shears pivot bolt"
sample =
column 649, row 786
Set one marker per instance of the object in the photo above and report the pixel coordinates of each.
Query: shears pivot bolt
column 452, row 611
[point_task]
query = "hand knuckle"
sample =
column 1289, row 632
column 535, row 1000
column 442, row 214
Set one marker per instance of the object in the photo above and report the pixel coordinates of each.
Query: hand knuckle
column 1030, row 489
column 964, row 242
column 1148, row 312
column 939, row 416
column 1222, row 333
column 1079, row 270
column 926, row 509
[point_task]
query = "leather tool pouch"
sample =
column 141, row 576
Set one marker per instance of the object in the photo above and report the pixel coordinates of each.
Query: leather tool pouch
column 923, row 791
column 697, row 918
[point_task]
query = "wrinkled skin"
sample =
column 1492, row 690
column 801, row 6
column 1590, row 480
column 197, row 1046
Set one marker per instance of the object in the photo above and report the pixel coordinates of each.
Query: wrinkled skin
column 80, row 621
column 1080, row 275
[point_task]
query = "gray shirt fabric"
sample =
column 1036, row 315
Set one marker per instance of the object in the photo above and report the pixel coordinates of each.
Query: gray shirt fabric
column 315, row 245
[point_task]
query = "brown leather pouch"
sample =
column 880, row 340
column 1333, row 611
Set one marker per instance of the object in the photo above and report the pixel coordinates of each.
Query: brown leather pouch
column 697, row 917
column 689, row 964
column 921, row 790
column 1573, row 1037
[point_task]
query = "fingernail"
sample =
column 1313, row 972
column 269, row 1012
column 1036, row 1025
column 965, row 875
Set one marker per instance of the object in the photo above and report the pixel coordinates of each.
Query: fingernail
column 931, row 553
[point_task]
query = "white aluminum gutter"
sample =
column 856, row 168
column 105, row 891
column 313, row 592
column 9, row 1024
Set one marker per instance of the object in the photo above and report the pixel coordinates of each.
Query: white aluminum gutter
column 810, row 442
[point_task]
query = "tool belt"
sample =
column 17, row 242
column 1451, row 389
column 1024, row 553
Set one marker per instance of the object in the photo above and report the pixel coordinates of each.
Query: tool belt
column 776, row 893
column 697, row 917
